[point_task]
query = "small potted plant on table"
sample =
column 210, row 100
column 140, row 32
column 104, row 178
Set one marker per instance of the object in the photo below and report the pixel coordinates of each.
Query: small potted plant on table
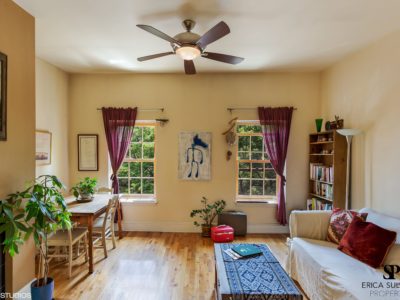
column 84, row 190
column 44, row 212
column 207, row 214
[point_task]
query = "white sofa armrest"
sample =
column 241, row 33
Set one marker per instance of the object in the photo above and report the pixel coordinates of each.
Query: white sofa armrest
column 311, row 224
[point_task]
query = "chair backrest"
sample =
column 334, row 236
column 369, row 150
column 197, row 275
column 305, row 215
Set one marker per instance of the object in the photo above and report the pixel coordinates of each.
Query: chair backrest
column 104, row 190
column 110, row 213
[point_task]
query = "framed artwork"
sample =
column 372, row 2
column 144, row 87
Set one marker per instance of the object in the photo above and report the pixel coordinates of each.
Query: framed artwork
column 194, row 156
column 88, row 152
column 3, row 97
column 43, row 147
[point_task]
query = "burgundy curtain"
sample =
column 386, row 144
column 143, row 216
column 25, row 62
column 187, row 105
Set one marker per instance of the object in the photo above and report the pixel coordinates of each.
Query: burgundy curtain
column 118, row 125
column 275, row 123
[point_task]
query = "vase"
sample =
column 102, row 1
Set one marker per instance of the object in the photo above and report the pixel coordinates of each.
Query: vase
column 44, row 292
column 318, row 124
column 205, row 230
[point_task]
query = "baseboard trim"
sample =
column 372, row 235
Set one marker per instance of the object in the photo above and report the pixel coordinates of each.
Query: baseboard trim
column 168, row 226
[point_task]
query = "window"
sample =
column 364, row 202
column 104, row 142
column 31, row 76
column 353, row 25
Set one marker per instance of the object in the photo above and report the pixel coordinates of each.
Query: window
column 256, row 179
column 136, row 175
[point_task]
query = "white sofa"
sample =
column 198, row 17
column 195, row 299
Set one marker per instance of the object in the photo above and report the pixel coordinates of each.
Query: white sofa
column 327, row 273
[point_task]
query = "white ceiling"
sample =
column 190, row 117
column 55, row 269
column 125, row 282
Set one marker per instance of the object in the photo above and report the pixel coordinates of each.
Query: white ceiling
column 101, row 36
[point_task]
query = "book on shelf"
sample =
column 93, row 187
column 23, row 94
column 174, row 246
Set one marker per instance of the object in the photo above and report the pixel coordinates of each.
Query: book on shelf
column 315, row 204
column 320, row 172
column 322, row 189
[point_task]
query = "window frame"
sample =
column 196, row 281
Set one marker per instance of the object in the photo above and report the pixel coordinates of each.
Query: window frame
column 251, row 198
column 142, row 197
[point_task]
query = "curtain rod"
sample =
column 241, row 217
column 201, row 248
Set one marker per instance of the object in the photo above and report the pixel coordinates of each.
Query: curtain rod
column 231, row 109
column 146, row 109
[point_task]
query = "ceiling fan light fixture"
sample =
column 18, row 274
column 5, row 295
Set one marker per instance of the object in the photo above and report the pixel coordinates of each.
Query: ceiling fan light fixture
column 188, row 52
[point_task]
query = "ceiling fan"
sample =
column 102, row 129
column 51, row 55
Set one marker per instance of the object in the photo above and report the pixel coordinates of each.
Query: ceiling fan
column 189, row 45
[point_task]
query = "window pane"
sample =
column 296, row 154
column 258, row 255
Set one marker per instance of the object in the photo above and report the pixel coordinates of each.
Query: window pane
column 137, row 134
column 244, row 187
column 244, row 155
column 148, row 169
column 268, row 166
column 148, row 150
column 248, row 128
column 266, row 156
column 135, row 169
column 123, row 170
column 244, row 143
column 123, row 186
column 270, row 187
column 257, row 155
column 148, row 134
column 135, row 186
column 256, row 144
column 148, row 186
column 244, row 170
column 136, row 150
column 257, row 170
column 257, row 187
column 270, row 174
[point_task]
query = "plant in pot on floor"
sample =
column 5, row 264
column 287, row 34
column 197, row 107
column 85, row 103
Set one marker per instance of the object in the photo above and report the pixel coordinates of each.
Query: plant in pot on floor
column 37, row 211
column 84, row 190
column 207, row 214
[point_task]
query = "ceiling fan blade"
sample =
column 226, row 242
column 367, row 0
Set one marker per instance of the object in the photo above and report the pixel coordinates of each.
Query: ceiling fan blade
column 144, row 58
column 158, row 33
column 215, row 33
column 189, row 67
column 229, row 59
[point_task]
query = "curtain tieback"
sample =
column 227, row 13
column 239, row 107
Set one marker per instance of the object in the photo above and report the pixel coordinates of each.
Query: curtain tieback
column 113, row 177
column 283, row 178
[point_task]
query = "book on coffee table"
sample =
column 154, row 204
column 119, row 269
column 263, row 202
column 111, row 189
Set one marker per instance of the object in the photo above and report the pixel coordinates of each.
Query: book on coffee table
column 247, row 250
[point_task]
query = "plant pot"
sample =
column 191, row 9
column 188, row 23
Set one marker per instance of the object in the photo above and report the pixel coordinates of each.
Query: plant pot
column 205, row 230
column 44, row 292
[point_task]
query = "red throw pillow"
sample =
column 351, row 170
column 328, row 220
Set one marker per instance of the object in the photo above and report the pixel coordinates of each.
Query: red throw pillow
column 367, row 242
column 340, row 220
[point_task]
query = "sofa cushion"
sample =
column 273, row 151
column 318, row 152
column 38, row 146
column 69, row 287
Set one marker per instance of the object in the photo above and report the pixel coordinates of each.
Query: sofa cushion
column 367, row 242
column 340, row 220
column 390, row 223
column 324, row 272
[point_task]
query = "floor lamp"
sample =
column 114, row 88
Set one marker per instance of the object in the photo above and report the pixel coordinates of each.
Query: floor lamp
column 348, row 133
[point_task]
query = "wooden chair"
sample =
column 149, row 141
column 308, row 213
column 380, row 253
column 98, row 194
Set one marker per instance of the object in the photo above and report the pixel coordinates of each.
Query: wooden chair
column 62, row 243
column 103, row 227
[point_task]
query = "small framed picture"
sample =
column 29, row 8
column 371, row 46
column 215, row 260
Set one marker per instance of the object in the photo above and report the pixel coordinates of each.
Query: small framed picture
column 88, row 152
column 43, row 148
column 3, row 97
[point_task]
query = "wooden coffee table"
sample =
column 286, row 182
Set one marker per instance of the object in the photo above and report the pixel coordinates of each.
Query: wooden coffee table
column 258, row 277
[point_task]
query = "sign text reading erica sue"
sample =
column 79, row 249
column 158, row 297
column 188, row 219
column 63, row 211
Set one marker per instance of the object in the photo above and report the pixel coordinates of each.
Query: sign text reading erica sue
column 380, row 285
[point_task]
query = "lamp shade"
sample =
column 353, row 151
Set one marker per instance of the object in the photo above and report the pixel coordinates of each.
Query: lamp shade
column 349, row 132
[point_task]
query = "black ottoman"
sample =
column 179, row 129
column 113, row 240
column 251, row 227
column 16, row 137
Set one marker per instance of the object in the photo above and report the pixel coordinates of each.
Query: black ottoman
column 236, row 219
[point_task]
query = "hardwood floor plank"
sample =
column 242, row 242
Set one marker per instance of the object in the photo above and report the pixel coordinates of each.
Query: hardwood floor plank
column 152, row 266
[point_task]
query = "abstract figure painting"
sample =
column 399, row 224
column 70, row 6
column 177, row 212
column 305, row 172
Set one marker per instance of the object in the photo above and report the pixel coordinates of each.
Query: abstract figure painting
column 194, row 156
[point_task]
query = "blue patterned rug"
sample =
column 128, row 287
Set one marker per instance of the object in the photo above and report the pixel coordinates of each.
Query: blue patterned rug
column 259, row 277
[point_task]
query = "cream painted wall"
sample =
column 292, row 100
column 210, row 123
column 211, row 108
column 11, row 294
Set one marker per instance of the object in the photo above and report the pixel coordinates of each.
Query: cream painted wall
column 52, row 115
column 196, row 103
column 364, row 89
column 17, row 154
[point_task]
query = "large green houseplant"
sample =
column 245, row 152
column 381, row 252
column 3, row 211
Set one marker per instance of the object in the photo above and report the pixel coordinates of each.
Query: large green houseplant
column 207, row 214
column 37, row 211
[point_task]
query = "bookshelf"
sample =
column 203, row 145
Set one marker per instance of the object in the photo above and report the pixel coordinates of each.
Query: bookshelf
column 327, row 171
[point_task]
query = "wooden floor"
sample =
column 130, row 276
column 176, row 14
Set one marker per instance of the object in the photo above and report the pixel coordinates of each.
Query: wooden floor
column 178, row 266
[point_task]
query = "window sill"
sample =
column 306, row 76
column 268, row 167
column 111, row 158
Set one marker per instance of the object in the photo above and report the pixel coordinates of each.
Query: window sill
column 132, row 200
column 252, row 201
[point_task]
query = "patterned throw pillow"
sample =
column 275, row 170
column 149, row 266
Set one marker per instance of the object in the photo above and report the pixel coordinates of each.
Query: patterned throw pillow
column 340, row 220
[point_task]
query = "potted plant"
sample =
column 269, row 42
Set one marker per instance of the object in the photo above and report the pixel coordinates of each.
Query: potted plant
column 85, row 189
column 207, row 214
column 43, row 212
